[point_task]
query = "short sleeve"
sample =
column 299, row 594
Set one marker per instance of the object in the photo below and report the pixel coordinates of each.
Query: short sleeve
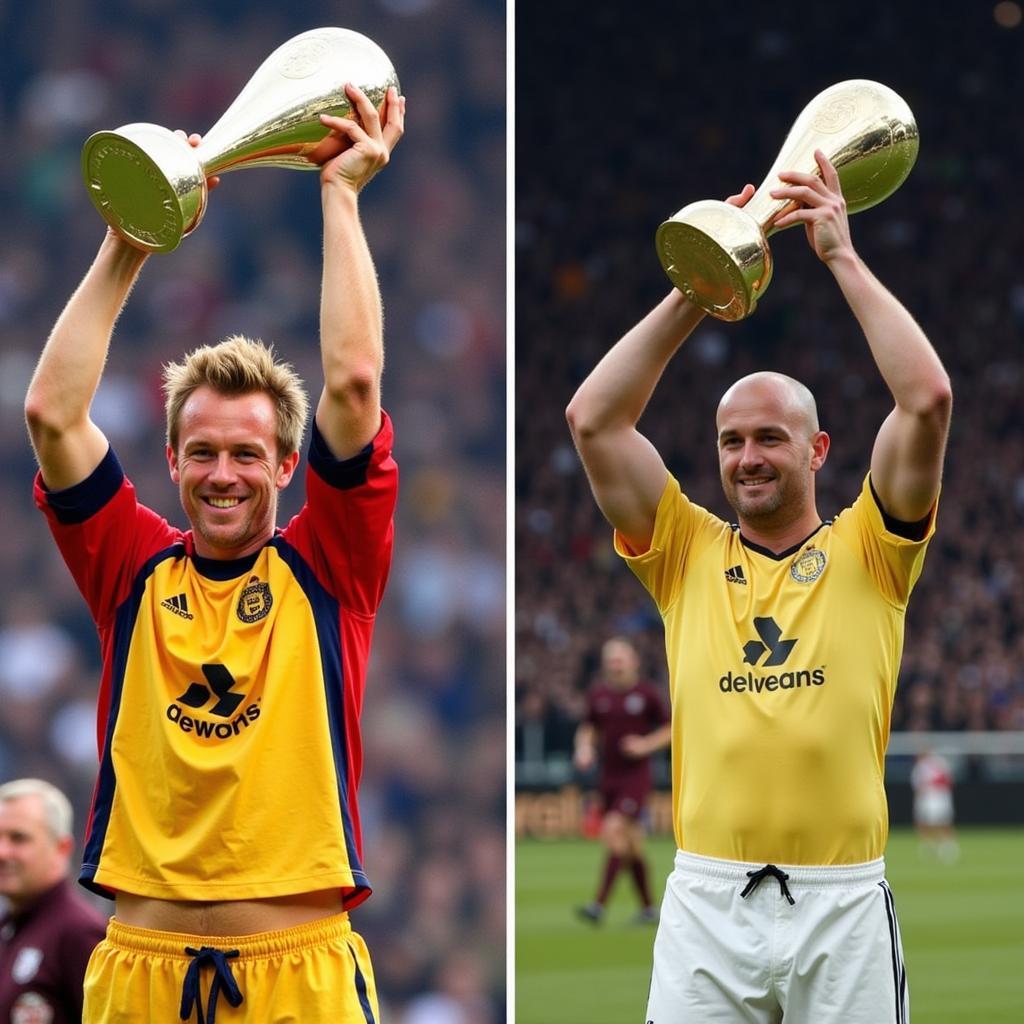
column 893, row 562
column 680, row 527
column 104, row 535
column 346, row 529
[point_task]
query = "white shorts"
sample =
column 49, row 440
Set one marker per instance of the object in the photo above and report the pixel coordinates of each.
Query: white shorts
column 833, row 956
column 934, row 808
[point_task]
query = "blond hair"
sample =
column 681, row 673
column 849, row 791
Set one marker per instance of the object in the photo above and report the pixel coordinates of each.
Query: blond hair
column 239, row 366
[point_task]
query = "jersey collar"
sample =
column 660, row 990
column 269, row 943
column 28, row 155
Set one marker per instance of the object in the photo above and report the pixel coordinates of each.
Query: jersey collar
column 779, row 556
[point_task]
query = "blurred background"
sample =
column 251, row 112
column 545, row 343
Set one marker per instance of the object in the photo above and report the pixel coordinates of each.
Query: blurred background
column 433, row 796
column 626, row 113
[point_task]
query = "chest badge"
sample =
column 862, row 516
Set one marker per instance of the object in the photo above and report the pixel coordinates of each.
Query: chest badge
column 255, row 601
column 26, row 964
column 808, row 565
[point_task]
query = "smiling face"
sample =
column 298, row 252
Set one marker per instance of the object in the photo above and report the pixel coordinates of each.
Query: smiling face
column 228, row 470
column 769, row 448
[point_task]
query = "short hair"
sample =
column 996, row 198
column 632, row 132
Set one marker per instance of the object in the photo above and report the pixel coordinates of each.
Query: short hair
column 56, row 806
column 239, row 366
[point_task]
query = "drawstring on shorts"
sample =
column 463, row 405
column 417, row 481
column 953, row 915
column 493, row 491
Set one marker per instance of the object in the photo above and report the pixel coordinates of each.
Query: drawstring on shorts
column 757, row 877
column 223, row 980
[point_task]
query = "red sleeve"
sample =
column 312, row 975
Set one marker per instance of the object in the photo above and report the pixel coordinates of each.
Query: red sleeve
column 103, row 533
column 346, row 529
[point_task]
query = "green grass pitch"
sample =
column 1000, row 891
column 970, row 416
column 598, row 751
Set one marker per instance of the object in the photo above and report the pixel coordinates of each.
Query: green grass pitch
column 963, row 932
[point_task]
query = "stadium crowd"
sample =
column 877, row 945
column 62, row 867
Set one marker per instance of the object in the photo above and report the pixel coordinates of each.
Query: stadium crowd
column 433, row 789
column 699, row 125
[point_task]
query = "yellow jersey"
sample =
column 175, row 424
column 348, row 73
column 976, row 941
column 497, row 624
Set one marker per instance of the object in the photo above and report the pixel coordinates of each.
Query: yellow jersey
column 228, row 724
column 782, row 672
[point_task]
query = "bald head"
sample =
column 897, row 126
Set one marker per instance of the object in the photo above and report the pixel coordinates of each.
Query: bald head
column 776, row 396
column 769, row 448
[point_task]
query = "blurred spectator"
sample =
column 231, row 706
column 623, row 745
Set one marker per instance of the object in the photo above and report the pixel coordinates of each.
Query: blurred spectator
column 49, row 930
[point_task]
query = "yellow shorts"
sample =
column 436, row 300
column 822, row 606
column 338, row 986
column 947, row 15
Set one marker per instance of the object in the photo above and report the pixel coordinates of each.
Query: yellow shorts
column 317, row 973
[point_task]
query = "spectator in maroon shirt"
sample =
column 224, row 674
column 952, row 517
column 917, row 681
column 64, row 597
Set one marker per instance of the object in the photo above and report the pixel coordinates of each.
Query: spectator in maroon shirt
column 627, row 720
column 48, row 931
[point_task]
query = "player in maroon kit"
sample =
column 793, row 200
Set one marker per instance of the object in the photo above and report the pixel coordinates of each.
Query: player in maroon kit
column 626, row 722
column 49, row 931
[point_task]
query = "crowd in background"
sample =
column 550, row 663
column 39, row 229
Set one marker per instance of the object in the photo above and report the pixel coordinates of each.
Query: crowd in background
column 653, row 114
column 433, row 792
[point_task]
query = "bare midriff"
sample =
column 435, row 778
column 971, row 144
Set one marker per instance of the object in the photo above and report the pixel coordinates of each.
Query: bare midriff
column 226, row 917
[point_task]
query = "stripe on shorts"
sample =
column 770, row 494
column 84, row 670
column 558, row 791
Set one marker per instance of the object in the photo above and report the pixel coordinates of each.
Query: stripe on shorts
column 899, row 971
column 364, row 997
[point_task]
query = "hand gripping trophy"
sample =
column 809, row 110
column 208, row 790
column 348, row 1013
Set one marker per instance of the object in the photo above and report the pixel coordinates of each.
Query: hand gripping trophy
column 717, row 254
column 149, row 184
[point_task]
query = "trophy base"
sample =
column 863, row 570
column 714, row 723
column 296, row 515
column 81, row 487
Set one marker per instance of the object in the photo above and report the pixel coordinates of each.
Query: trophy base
column 146, row 183
column 717, row 256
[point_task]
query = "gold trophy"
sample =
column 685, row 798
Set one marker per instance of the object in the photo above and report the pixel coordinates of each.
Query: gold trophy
column 149, row 184
column 717, row 254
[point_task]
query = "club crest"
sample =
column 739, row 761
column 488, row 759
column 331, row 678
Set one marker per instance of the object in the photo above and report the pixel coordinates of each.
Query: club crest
column 808, row 565
column 255, row 601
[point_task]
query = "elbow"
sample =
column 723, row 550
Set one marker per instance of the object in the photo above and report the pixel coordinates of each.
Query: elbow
column 938, row 405
column 39, row 416
column 581, row 422
column 356, row 387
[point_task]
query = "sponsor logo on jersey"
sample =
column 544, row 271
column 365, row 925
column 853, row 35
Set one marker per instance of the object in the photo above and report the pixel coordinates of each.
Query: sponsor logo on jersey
column 808, row 565
column 771, row 641
column 213, row 730
column 735, row 575
column 219, row 683
column 255, row 601
column 179, row 605
column 778, row 650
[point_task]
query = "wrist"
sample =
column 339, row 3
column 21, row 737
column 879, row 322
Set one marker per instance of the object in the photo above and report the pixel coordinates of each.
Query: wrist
column 337, row 190
column 844, row 261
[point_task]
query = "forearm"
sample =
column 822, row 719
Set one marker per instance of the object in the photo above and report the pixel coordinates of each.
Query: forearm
column 904, row 356
column 351, row 323
column 69, row 370
column 660, row 738
column 617, row 390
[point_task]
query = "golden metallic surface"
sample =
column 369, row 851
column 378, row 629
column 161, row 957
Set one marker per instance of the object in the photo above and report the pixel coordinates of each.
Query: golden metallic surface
column 150, row 185
column 718, row 254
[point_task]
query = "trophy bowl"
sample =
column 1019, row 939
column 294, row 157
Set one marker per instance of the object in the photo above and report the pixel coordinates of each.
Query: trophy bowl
column 149, row 184
column 717, row 254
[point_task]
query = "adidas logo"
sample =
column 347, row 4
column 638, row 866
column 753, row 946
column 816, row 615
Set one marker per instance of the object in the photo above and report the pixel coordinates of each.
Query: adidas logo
column 735, row 575
column 178, row 605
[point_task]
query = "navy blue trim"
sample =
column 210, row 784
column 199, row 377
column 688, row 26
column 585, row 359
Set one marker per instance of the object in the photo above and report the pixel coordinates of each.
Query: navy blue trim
column 344, row 474
column 225, row 568
column 361, row 991
column 326, row 616
column 83, row 500
column 124, row 626
column 781, row 554
column 916, row 530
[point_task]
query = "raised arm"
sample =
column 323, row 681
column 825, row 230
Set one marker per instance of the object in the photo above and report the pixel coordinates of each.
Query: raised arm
column 906, row 462
column 626, row 473
column 68, row 445
column 351, row 322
